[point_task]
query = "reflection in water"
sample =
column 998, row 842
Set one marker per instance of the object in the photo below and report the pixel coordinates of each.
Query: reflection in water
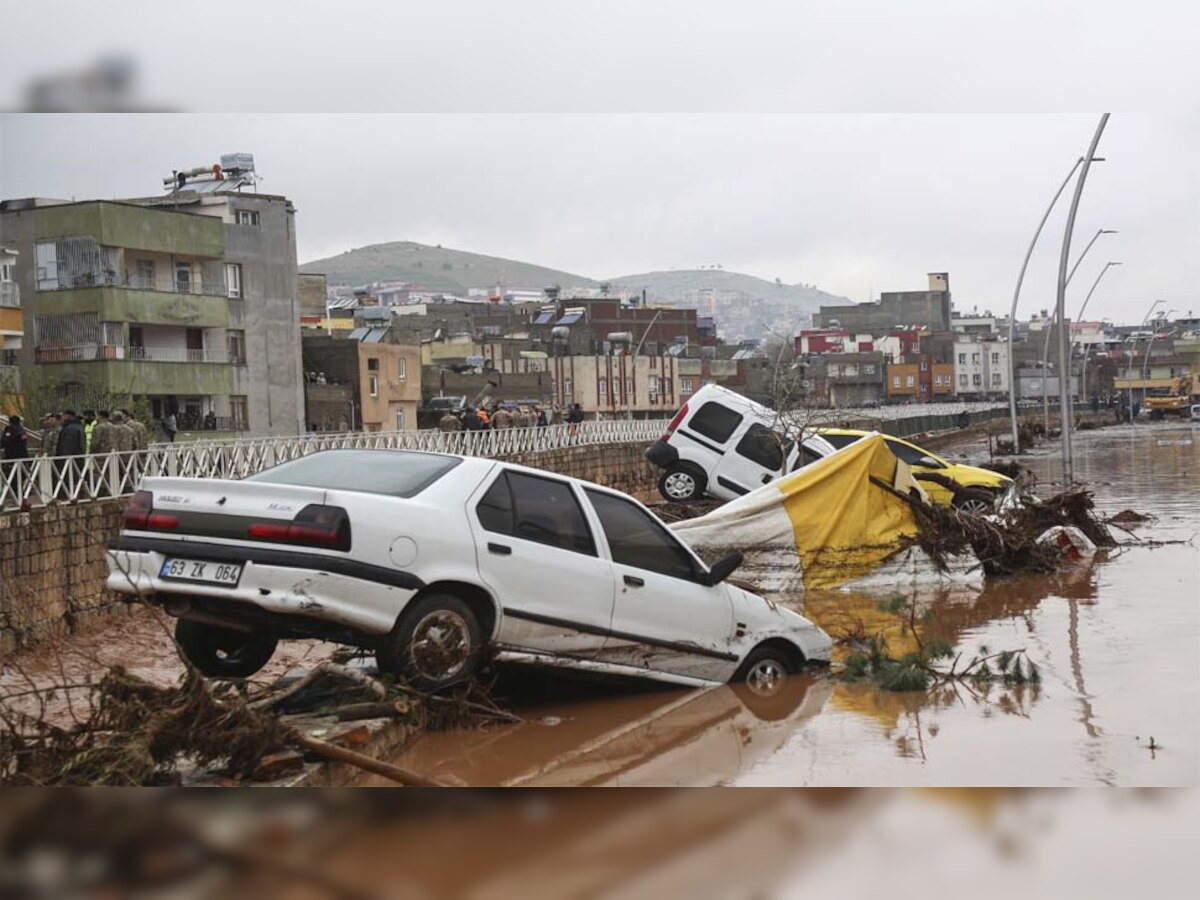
column 1114, row 641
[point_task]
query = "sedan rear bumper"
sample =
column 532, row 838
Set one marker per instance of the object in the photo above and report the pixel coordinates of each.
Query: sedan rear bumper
column 342, row 592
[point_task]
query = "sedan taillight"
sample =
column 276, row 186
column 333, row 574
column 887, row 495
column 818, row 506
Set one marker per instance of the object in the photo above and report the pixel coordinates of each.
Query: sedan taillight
column 314, row 526
column 140, row 515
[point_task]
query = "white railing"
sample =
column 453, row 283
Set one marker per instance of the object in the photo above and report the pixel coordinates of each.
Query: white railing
column 93, row 352
column 41, row 480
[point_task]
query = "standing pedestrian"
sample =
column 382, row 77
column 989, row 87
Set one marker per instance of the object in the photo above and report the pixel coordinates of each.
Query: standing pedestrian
column 51, row 428
column 14, row 440
column 472, row 421
column 141, row 434
column 104, row 435
column 541, row 418
column 71, row 439
column 449, row 422
column 574, row 418
column 170, row 425
column 502, row 419
column 89, row 428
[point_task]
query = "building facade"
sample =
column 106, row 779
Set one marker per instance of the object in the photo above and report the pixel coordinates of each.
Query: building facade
column 981, row 369
column 367, row 385
column 12, row 329
column 186, row 304
column 928, row 309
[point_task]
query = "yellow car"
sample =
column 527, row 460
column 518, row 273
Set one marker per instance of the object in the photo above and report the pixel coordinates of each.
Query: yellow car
column 968, row 488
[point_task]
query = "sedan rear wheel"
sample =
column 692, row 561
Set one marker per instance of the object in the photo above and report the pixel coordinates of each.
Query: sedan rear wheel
column 437, row 643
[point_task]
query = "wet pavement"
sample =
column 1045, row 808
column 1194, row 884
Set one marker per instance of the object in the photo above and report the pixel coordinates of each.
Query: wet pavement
column 1116, row 642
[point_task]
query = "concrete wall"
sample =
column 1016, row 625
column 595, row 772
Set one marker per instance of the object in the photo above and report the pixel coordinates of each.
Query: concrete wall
column 52, row 566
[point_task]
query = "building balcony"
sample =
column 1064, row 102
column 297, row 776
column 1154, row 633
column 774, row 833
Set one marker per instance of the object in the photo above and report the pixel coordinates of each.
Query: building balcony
column 10, row 294
column 107, row 352
column 143, row 306
column 113, row 369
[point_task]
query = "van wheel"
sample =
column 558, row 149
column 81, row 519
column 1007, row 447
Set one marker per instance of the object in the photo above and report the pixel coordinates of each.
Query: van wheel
column 224, row 652
column 437, row 643
column 681, row 484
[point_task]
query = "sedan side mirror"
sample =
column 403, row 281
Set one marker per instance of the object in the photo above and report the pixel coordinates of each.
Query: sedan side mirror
column 723, row 568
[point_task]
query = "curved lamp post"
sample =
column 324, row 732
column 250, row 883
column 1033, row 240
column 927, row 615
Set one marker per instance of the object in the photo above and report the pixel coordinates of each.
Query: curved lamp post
column 1064, row 387
column 1062, row 324
column 1012, row 315
column 1132, row 354
column 1079, row 318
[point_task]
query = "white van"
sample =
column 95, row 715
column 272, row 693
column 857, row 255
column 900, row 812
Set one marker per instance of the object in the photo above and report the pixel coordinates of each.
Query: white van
column 725, row 445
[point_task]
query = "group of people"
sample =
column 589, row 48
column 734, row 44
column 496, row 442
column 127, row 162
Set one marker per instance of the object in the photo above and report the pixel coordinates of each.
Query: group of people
column 500, row 417
column 67, row 434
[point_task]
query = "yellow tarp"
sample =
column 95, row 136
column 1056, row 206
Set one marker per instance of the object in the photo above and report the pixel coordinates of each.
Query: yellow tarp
column 845, row 526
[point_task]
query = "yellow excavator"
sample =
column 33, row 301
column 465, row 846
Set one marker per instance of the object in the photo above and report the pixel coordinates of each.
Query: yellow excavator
column 1177, row 401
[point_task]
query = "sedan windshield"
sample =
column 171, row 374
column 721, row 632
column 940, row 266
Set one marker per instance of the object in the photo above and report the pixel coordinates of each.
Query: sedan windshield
column 397, row 473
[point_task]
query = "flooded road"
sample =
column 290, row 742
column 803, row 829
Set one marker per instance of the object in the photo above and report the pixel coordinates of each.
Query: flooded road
column 1116, row 643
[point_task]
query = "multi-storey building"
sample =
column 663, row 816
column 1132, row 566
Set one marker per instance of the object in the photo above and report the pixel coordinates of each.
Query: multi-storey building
column 12, row 329
column 366, row 382
column 186, row 302
column 981, row 369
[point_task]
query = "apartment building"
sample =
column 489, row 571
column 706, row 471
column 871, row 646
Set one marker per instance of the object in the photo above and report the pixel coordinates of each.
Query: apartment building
column 12, row 329
column 365, row 383
column 185, row 301
column 981, row 369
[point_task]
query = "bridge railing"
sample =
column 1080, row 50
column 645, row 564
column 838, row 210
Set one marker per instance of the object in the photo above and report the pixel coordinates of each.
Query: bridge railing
column 41, row 480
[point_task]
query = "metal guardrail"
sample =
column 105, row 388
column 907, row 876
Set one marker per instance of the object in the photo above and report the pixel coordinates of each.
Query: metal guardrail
column 41, row 480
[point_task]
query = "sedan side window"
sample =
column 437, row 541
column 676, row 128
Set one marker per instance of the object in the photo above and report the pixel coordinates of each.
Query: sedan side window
column 536, row 509
column 913, row 456
column 637, row 539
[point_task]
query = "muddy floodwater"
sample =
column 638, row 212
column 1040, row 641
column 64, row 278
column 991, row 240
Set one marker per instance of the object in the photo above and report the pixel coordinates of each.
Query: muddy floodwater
column 1117, row 643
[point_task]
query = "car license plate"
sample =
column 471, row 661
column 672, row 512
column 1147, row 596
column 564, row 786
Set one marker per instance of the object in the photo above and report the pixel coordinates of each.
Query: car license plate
column 201, row 570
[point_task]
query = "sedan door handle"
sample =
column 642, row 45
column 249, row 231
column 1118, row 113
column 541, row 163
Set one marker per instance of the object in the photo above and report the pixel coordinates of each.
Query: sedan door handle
column 500, row 549
column 634, row 581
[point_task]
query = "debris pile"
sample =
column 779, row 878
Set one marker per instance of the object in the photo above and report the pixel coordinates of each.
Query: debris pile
column 1009, row 542
column 127, row 731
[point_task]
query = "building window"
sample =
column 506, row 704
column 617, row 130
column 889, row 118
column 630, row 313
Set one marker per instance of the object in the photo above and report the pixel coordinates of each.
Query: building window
column 373, row 385
column 962, row 380
column 236, row 343
column 924, row 365
column 629, row 386
column 372, row 365
column 247, row 217
column 147, row 276
column 995, row 379
column 895, row 381
column 567, row 389
column 685, row 385
column 908, row 381
column 666, row 383
column 183, row 277
column 399, row 420
column 239, row 413
column 995, row 359
column 962, row 359
column 977, row 379
column 603, row 387
column 233, row 280
column 868, row 369
column 401, row 368
column 975, row 359
column 6, row 272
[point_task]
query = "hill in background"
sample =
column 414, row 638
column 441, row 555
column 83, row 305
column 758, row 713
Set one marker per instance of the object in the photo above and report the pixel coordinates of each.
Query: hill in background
column 438, row 268
column 744, row 306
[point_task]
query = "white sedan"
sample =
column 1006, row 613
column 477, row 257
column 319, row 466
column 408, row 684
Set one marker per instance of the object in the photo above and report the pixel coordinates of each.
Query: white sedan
column 437, row 563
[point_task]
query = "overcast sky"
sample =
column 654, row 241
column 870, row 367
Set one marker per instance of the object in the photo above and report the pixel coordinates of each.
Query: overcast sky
column 853, row 203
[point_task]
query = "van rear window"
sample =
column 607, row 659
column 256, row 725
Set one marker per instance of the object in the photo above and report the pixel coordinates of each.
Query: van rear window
column 715, row 422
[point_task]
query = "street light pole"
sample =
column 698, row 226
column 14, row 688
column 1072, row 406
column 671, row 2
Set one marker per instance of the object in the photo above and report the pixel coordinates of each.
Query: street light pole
column 1012, row 315
column 1062, row 324
column 1087, row 347
column 1132, row 353
column 1064, row 387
